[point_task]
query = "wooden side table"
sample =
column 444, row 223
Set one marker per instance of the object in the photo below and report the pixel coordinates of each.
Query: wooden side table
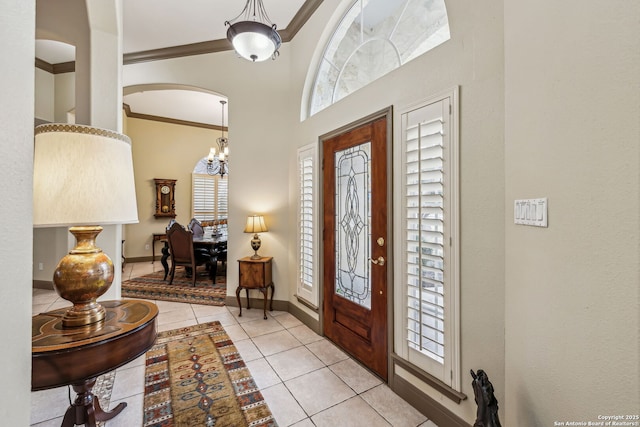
column 255, row 274
column 77, row 356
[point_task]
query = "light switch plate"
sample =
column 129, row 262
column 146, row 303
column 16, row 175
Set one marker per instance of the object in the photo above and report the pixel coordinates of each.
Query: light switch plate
column 531, row 212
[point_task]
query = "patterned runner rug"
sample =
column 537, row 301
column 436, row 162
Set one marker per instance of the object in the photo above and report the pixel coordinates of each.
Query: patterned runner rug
column 102, row 390
column 195, row 377
column 153, row 286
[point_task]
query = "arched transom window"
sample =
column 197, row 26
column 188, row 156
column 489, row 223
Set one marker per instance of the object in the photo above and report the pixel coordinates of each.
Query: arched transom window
column 373, row 38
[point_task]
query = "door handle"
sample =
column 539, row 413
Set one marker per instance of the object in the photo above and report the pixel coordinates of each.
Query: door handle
column 379, row 261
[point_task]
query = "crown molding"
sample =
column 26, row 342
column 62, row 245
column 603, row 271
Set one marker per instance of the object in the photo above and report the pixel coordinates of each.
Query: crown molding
column 177, row 51
column 221, row 45
column 44, row 65
column 134, row 115
column 63, row 67
column 297, row 22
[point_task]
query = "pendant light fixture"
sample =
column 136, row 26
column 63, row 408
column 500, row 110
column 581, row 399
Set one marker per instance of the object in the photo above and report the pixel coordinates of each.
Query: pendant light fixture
column 253, row 35
column 221, row 166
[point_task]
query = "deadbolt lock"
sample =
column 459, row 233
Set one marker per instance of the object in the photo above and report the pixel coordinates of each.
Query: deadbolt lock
column 380, row 241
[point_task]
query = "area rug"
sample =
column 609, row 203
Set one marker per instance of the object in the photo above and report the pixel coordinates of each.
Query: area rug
column 154, row 287
column 195, row 377
column 102, row 390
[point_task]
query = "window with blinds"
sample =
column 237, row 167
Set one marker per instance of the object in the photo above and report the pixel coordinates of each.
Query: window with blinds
column 430, row 238
column 210, row 198
column 307, row 290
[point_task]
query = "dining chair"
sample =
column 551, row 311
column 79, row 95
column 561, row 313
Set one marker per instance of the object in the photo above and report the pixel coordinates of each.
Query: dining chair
column 221, row 253
column 198, row 232
column 196, row 227
column 182, row 252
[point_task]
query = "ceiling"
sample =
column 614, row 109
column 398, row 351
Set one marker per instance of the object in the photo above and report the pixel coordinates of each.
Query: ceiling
column 160, row 29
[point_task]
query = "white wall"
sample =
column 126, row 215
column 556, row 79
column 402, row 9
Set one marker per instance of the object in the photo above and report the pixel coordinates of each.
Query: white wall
column 572, row 134
column 16, row 162
column 259, row 140
column 45, row 88
column 65, row 96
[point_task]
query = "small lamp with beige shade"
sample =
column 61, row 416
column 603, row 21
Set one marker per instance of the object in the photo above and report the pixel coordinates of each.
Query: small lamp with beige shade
column 255, row 224
column 83, row 178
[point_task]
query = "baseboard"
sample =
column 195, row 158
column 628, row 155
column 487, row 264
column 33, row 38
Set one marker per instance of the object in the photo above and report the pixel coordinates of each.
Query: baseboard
column 43, row 284
column 142, row 259
column 304, row 317
column 429, row 407
column 258, row 303
column 278, row 305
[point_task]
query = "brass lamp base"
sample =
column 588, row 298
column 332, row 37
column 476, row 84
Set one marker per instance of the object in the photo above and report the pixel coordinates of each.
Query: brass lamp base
column 255, row 245
column 83, row 314
column 82, row 276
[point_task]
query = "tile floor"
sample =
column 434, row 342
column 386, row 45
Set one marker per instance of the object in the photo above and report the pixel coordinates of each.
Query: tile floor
column 305, row 379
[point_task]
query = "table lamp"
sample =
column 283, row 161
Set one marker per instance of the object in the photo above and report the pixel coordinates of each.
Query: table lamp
column 255, row 224
column 83, row 178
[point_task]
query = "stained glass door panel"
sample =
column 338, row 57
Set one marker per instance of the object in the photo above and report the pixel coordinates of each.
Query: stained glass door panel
column 355, row 282
column 352, row 219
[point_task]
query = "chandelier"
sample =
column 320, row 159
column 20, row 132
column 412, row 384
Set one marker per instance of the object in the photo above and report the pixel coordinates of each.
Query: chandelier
column 218, row 165
column 252, row 34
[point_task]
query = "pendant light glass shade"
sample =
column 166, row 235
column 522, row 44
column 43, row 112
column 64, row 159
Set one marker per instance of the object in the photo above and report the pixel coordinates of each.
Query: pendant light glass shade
column 254, row 41
column 252, row 34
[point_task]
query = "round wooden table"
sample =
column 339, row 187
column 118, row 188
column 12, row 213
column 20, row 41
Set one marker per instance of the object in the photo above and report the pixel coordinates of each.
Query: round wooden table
column 77, row 356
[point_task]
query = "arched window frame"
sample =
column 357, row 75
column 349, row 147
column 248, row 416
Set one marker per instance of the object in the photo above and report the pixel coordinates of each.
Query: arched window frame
column 398, row 14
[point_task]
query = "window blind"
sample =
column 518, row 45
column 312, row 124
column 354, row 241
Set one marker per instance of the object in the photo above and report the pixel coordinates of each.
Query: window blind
column 210, row 197
column 425, row 234
column 428, row 331
column 306, row 289
column 306, row 222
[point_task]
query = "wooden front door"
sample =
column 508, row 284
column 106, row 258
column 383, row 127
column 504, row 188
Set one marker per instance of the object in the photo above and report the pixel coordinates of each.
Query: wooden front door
column 355, row 242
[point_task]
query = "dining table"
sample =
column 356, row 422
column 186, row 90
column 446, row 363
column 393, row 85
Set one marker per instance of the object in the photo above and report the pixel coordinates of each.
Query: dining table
column 211, row 243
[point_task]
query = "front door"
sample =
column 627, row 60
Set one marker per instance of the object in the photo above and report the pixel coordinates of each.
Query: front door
column 355, row 242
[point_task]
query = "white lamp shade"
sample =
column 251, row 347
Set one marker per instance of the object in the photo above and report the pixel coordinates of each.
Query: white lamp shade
column 255, row 224
column 82, row 176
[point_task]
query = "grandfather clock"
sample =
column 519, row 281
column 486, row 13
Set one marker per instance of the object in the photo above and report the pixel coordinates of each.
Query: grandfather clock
column 165, row 198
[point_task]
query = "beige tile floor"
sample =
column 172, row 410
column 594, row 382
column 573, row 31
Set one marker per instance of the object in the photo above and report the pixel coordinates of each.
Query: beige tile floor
column 305, row 379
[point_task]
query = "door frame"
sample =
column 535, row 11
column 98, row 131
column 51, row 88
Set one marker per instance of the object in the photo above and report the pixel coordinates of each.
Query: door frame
column 388, row 114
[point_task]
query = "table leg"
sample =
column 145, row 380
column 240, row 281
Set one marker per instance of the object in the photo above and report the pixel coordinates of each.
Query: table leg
column 86, row 410
column 265, row 291
column 238, row 297
column 163, row 260
column 272, row 292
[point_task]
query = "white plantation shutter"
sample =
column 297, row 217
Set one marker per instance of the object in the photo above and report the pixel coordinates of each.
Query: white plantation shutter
column 425, row 251
column 307, row 242
column 210, row 198
column 204, row 208
column 430, row 239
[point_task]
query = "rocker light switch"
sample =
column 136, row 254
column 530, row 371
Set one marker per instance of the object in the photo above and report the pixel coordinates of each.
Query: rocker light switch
column 531, row 212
